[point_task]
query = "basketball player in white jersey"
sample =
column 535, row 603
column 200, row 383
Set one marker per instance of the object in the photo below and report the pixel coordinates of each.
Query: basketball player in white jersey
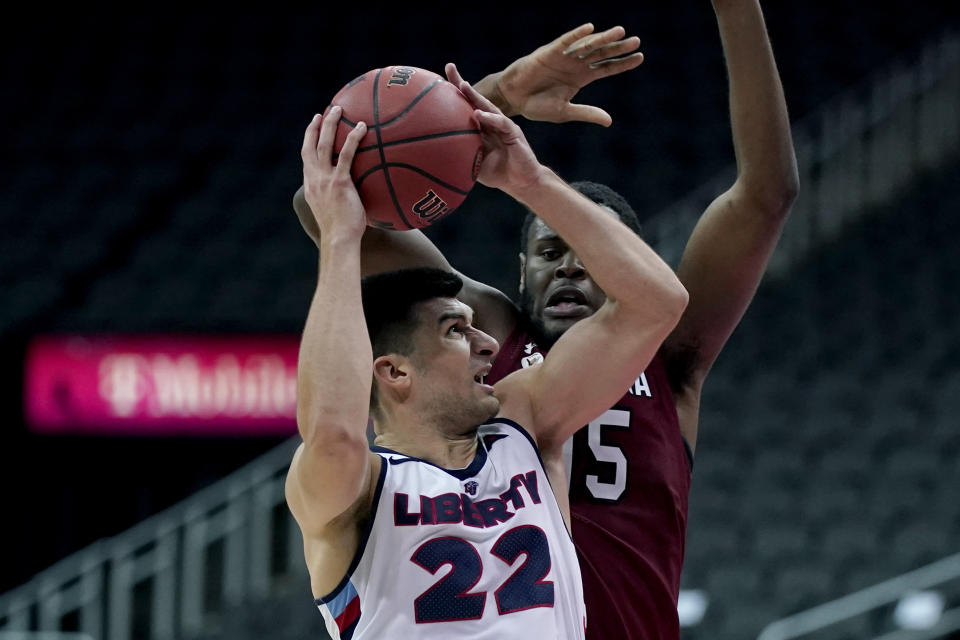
column 449, row 527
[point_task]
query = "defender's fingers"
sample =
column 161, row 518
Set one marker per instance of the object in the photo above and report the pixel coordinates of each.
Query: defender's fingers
column 612, row 50
column 588, row 113
column 345, row 161
column 617, row 65
column 591, row 42
column 572, row 36
column 310, row 135
column 328, row 133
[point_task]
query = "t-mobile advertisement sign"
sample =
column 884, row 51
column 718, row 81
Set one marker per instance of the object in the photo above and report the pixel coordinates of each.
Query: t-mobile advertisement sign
column 162, row 385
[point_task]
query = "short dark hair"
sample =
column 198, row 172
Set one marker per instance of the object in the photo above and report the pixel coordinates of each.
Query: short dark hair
column 602, row 195
column 388, row 302
column 389, row 299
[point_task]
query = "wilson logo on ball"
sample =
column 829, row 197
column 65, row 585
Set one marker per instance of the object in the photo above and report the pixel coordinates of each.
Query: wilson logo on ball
column 401, row 76
column 430, row 206
column 422, row 151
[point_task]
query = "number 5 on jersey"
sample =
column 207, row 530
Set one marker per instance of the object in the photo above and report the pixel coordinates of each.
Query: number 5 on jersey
column 607, row 454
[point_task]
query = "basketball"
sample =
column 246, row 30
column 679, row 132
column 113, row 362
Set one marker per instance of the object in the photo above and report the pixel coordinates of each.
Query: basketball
column 422, row 150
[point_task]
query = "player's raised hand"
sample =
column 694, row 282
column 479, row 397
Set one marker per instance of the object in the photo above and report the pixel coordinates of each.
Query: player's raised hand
column 508, row 161
column 541, row 85
column 328, row 187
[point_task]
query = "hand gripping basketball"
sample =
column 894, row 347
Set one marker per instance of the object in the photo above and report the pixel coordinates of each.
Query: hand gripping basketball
column 327, row 185
column 421, row 153
column 508, row 161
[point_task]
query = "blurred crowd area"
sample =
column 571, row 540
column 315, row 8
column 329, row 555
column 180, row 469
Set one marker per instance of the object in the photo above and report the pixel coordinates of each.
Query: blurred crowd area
column 149, row 160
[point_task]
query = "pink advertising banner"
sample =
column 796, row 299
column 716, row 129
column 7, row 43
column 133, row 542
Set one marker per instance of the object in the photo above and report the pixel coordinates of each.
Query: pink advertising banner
column 162, row 385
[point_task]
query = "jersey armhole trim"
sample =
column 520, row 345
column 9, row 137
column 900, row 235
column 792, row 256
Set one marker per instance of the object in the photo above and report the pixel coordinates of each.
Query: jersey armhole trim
column 533, row 443
column 364, row 538
column 689, row 450
column 526, row 434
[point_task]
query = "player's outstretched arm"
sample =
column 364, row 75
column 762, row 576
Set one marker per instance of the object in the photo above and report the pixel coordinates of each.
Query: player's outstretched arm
column 594, row 362
column 541, row 85
column 728, row 251
column 330, row 472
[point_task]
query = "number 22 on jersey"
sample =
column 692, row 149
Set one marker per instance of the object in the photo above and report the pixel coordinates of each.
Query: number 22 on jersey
column 450, row 599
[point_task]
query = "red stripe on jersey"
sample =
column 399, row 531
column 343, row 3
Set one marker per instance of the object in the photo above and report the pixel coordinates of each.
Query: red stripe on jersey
column 350, row 614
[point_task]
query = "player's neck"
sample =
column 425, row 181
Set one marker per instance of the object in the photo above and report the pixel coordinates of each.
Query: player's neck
column 444, row 450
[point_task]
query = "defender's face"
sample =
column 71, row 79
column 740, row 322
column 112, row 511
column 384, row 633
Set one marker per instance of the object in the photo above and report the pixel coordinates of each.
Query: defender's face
column 556, row 290
column 452, row 358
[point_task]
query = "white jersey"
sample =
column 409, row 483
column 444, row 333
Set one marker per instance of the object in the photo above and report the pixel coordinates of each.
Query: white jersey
column 476, row 553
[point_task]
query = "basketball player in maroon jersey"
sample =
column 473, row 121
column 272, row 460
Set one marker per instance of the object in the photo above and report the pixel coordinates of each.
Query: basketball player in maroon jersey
column 630, row 469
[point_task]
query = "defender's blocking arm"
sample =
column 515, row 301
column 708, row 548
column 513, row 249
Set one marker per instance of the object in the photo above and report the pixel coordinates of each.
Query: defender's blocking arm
column 728, row 251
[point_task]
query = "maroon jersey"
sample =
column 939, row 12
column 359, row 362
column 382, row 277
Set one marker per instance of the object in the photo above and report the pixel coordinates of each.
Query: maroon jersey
column 629, row 473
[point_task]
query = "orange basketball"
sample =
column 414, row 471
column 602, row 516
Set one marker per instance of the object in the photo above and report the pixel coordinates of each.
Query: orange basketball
column 422, row 150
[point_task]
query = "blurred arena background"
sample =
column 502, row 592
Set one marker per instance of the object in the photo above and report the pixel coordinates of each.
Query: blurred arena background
column 149, row 159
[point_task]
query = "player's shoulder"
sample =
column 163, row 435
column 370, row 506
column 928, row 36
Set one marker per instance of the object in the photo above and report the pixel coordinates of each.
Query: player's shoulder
column 681, row 362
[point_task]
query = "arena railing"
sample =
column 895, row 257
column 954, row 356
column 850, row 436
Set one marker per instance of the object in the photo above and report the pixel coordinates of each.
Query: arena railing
column 859, row 149
column 163, row 578
column 817, row 622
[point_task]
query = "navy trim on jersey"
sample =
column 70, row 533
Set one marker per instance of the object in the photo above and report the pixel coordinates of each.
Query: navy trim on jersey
column 689, row 450
column 526, row 434
column 479, row 459
column 347, row 634
column 363, row 538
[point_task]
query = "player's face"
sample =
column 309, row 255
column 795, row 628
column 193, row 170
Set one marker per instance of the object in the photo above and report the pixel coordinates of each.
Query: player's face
column 556, row 291
column 453, row 358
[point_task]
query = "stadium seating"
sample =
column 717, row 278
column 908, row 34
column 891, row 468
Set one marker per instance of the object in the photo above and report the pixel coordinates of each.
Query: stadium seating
column 862, row 484
column 828, row 451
